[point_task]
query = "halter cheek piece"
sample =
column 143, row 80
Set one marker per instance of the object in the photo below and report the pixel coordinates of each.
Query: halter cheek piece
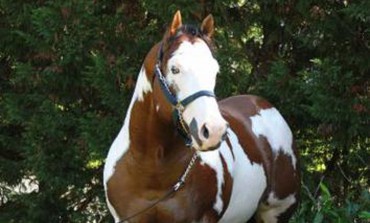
column 179, row 106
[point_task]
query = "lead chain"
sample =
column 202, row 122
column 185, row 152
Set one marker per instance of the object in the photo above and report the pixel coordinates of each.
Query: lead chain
column 182, row 122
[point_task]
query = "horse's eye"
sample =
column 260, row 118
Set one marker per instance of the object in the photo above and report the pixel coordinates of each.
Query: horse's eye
column 175, row 70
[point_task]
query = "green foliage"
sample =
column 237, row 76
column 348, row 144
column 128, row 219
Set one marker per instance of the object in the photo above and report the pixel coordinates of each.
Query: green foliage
column 68, row 68
column 325, row 208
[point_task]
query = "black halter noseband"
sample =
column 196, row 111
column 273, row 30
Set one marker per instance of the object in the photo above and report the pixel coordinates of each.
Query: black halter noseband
column 178, row 105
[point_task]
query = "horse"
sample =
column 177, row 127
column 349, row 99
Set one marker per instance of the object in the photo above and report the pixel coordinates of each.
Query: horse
column 181, row 156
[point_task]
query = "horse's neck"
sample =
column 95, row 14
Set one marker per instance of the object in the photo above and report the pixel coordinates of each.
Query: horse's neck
column 150, row 137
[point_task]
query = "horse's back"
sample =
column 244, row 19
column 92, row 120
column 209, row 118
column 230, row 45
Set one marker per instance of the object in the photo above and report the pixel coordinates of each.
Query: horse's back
column 266, row 140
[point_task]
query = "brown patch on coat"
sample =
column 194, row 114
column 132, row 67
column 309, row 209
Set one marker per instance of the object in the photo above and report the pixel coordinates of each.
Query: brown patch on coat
column 226, row 187
column 282, row 178
column 237, row 111
column 285, row 179
column 230, row 146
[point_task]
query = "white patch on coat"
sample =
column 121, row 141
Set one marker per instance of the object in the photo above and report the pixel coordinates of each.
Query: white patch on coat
column 249, row 183
column 275, row 207
column 117, row 150
column 213, row 160
column 121, row 144
column 112, row 210
column 270, row 124
column 143, row 85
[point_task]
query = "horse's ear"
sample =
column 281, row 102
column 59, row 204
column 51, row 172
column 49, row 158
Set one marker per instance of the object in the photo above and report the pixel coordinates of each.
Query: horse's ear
column 176, row 23
column 207, row 27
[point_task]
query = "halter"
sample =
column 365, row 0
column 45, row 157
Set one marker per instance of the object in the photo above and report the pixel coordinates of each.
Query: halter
column 178, row 106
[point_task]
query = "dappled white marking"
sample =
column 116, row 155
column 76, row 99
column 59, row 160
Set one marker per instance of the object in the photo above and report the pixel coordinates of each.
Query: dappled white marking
column 249, row 183
column 121, row 143
column 275, row 207
column 270, row 124
column 213, row 160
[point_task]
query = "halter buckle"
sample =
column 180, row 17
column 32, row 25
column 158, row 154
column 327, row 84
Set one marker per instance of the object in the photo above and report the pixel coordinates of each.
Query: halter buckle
column 180, row 107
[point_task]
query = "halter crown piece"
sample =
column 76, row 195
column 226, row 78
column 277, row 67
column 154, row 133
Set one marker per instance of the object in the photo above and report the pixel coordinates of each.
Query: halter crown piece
column 178, row 106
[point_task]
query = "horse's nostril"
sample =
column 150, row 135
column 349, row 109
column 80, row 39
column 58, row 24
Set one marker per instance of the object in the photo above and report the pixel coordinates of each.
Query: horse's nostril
column 205, row 132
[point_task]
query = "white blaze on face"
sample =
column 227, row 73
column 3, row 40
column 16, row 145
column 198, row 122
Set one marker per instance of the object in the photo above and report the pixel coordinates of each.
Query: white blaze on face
column 197, row 71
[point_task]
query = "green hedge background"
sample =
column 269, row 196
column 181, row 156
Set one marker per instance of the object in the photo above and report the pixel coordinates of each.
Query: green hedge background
column 68, row 69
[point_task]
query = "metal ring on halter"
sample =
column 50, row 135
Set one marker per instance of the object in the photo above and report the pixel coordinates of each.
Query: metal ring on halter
column 180, row 107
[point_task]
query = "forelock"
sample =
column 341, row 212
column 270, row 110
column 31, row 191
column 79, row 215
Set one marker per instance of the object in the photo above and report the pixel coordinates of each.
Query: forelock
column 189, row 33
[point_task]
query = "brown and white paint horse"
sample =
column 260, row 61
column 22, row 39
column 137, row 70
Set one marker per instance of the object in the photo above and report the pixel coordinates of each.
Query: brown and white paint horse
column 251, row 175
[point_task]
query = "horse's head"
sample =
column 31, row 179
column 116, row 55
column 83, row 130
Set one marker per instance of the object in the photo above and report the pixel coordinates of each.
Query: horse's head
column 189, row 71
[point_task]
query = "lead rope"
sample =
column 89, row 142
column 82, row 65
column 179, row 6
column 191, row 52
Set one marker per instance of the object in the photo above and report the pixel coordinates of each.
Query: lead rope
column 173, row 190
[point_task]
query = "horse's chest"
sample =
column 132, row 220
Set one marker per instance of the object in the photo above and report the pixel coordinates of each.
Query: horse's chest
column 134, row 195
column 182, row 206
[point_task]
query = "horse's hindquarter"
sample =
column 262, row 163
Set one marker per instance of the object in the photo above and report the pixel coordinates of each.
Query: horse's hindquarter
column 264, row 173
